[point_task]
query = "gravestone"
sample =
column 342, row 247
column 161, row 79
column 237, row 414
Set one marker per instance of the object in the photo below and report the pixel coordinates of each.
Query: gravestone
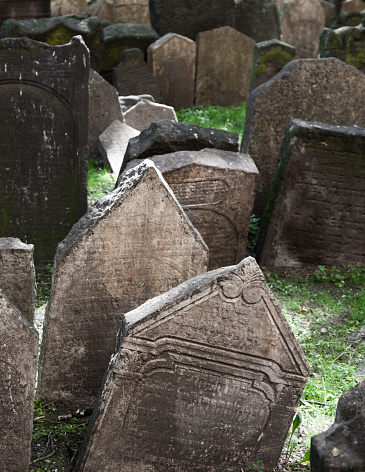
column 329, row 12
column 145, row 112
column 103, row 9
column 172, row 61
column 66, row 7
column 258, row 19
column 350, row 18
column 224, row 61
column 216, row 190
column 317, row 211
column 127, row 102
column 325, row 90
column 268, row 60
column 24, row 9
column 18, row 365
column 352, row 5
column 132, row 11
column 113, row 143
column 17, row 275
column 132, row 76
column 43, row 141
column 205, row 377
column 104, row 108
column 132, row 245
column 302, row 22
column 190, row 18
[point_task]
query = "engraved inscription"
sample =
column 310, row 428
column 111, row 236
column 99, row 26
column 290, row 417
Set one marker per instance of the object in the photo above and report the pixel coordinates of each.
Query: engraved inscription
column 200, row 193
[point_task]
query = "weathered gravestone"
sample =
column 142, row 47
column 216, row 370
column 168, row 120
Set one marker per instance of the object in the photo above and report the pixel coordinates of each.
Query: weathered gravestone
column 325, row 90
column 329, row 12
column 132, row 245
column 132, row 76
column 172, row 61
column 43, row 140
column 350, row 18
column 258, row 19
column 23, row 9
column 224, row 61
column 352, row 5
column 17, row 275
column 302, row 22
column 127, row 102
column 206, row 377
column 103, row 9
column 66, row 7
column 18, row 365
column 190, row 18
column 316, row 214
column 145, row 112
column 132, row 11
column 216, row 190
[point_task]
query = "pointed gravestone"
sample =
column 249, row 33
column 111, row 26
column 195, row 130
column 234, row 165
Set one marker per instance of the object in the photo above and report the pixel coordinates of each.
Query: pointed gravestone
column 18, row 365
column 206, row 377
column 258, row 19
column 146, row 112
column 17, row 275
column 325, row 90
column 132, row 245
column 224, row 61
column 44, row 96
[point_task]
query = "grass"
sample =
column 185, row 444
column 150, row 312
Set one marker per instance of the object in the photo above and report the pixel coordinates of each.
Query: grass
column 100, row 181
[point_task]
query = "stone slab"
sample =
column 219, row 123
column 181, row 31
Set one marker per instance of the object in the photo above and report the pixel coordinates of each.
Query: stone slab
column 66, row 7
column 329, row 9
column 132, row 245
column 350, row 18
column 146, row 112
column 103, row 9
column 132, row 11
column 258, row 19
column 129, row 101
column 206, row 377
column 24, row 9
column 352, row 5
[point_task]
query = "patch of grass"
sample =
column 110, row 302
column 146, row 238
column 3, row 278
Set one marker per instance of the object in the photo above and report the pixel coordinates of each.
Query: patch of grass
column 100, row 181
column 44, row 282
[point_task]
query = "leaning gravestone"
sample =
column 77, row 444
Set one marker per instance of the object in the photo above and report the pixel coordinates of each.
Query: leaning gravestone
column 132, row 11
column 224, row 61
column 17, row 275
column 18, row 365
column 167, row 55
column 43, row 140
column 205, row 377
column 216, row 190
column 127, row 102
column 132, row 245
column 258, row 19
column 325, row 90
column 316, row 211
column 145, row 112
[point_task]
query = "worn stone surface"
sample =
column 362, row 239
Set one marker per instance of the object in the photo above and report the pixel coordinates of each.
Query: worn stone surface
column 17, row 275
column 66, row 7
column 206, row 376
column 329, row 9
column 60, row 30
column 113, row 143
column 145, row 112
column 352, row 5
column 18, row 361
column 350, row 18
column 132, row 76
column 24, row 9
column 190, row 18
column 224, row 61
column 342, row 447
column 103, row 9
column 316, row 214
column 165, row 136
column 258, row 19
column 302, row 22
column 325, row 90
column 132, row 11
column 172, row 60
column 104, row 108
column 132, row 245
column 268, row 60
column 43, row 140
column 130, row 100
column 216, row 190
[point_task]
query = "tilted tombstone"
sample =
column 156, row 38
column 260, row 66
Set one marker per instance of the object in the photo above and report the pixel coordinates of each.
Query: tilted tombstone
column 132, row 11
column 66, row 7
column 43, row 140
column 216, row 190
column 18, row 366
column 258, row 19
column 146, row 112
column 127, row 102
column 224, row 61
column 302, row 22
column 352, row 5
column 190, row 18
column 166, row 56
column 24, row 9
column 326, row 90
column 17, row 275
column 132, row 245
column 316, row 214
column 205, row 377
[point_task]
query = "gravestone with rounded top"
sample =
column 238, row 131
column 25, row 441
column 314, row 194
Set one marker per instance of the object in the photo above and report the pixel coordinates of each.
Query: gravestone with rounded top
column 132, row 11
column 258, row 19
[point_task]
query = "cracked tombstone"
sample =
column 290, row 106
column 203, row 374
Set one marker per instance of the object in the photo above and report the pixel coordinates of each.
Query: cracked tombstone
column 132, row 245
column 205, row 377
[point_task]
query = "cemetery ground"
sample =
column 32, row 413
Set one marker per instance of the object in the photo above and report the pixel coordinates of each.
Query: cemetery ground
column 323, row 307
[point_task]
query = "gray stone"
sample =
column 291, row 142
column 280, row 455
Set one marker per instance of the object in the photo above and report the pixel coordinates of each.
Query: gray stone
column 103, row 9
column 350, row 18
column 132, row 245
column 113, row 144
column 316, row 212
column 358, row 335
column 258, row 19
column 167, row 55
column 104, row 108
column 44, row 99
column 132, row 11
column 130, row 100
column 145, row 112
column 206, row 376
column 224, row 61
column 18, row 361
column 325, row 90
column 66, row 7
column 352, row 5
column 17, row 275
column 24, row 9
column 329, row 12
column 342, row 447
